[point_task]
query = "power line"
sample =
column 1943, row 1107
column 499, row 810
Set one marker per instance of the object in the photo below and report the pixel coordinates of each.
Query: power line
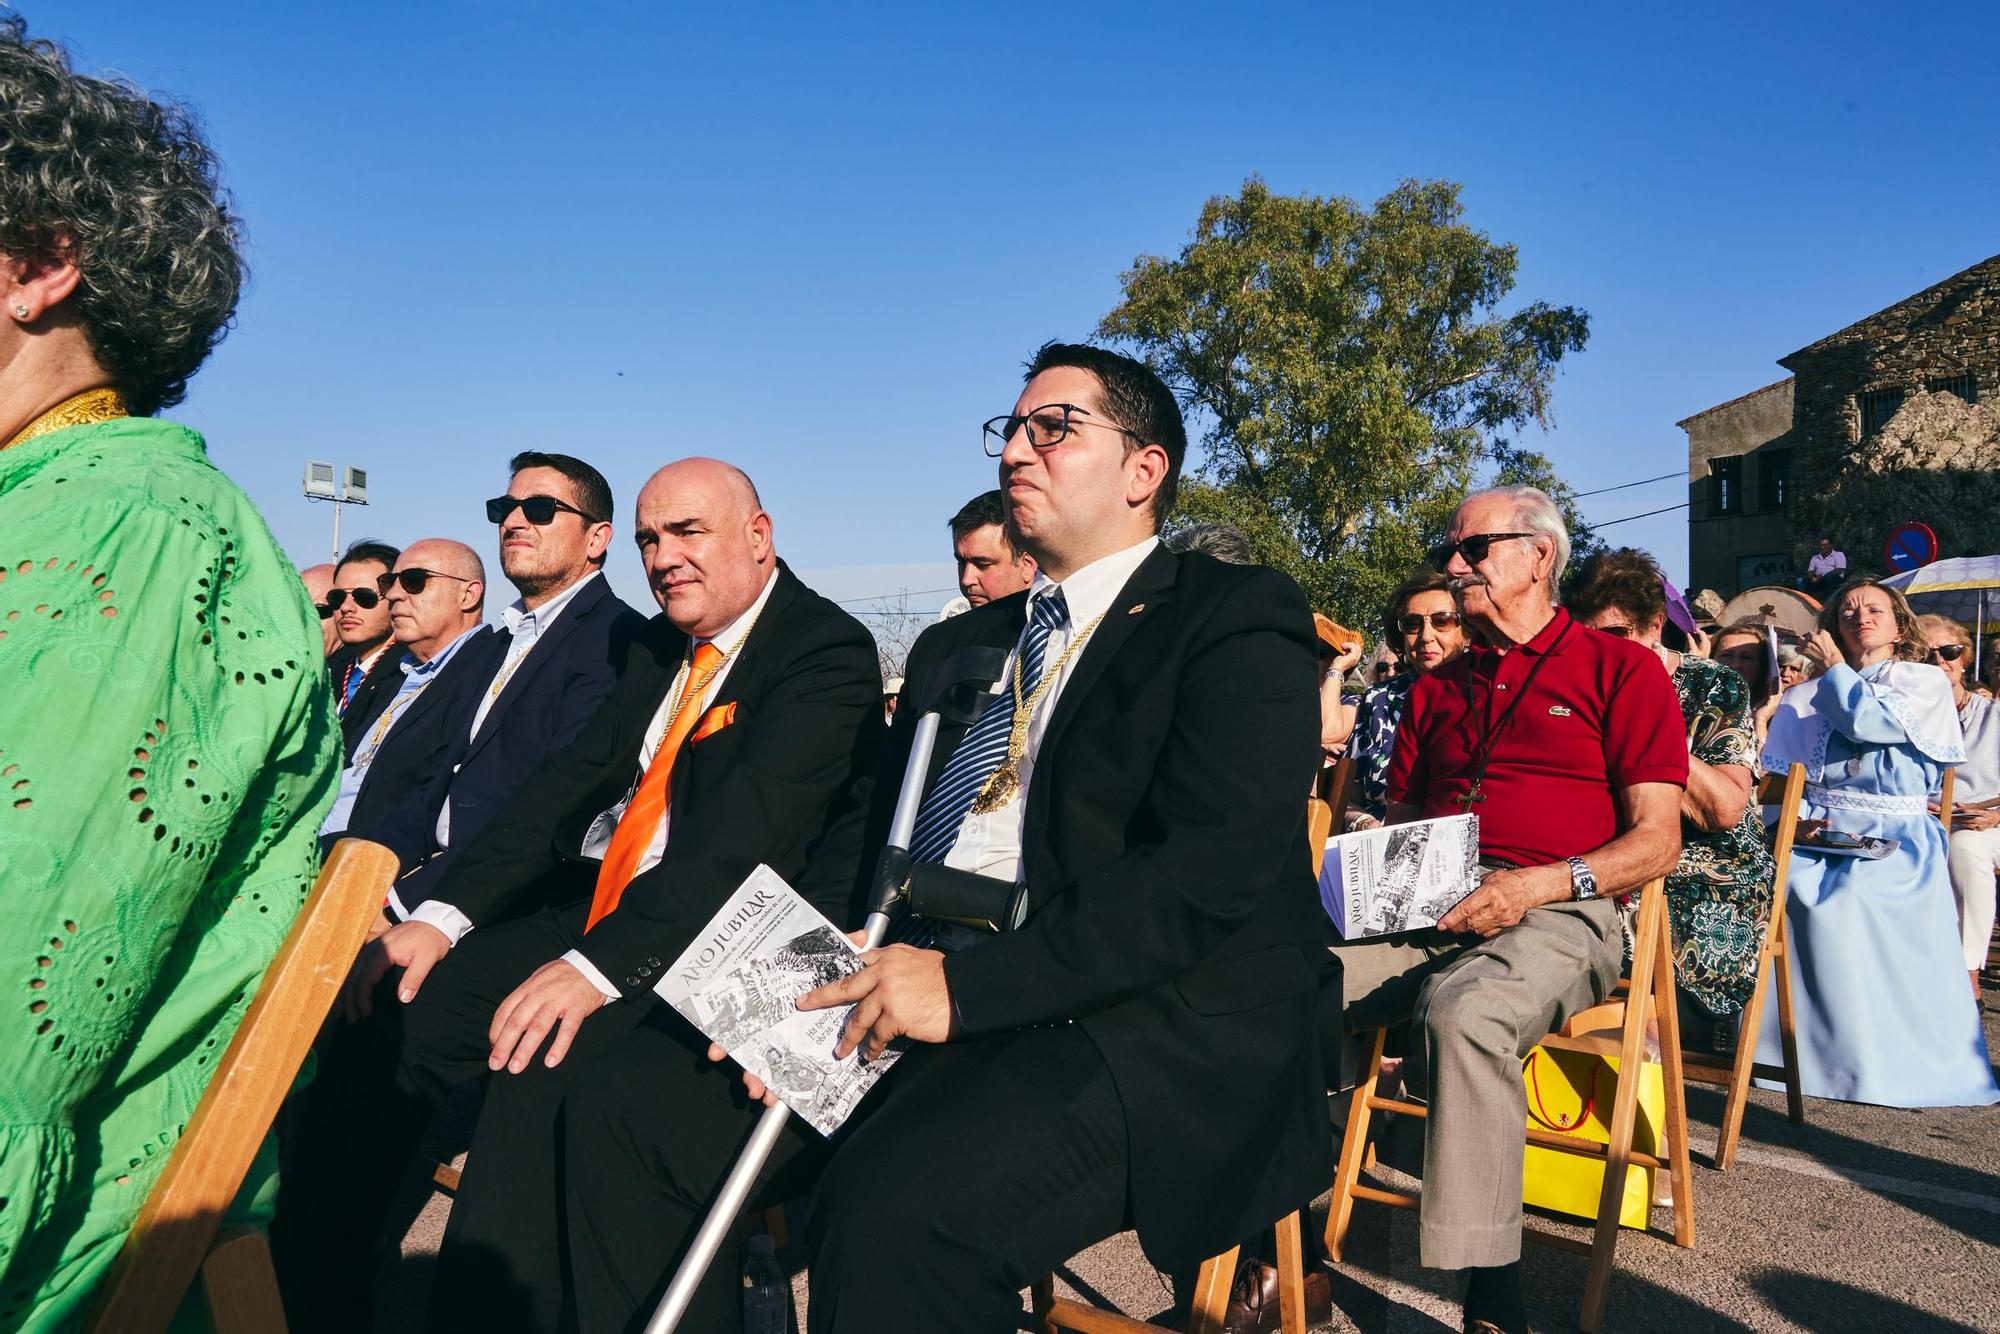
column 900, row 593
column 1626, row 486
column 1608, row 523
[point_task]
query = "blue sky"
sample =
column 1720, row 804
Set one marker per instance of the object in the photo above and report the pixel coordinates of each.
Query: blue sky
column 819, row 240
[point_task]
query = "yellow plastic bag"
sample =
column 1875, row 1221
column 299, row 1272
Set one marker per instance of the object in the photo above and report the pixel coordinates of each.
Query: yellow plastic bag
column 1569, row 1093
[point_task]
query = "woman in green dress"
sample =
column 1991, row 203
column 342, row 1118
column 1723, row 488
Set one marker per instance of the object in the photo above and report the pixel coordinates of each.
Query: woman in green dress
column 1719, row 896
column 167, row 745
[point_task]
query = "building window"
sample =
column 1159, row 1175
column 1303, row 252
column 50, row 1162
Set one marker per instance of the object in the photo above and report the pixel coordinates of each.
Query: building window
column 1774, row 485
column 1877, row 406
column 1725, row 484
column 1966, row 386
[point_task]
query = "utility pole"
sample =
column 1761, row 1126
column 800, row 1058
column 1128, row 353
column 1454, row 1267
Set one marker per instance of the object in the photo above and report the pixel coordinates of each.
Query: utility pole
column 319, row 486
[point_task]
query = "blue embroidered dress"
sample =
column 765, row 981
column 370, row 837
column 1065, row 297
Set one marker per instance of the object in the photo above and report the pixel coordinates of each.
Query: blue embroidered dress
column 1885, row 1014
column 1374, row 741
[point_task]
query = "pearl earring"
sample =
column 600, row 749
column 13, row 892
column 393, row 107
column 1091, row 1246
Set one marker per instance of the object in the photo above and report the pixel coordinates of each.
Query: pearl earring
column 20, row 312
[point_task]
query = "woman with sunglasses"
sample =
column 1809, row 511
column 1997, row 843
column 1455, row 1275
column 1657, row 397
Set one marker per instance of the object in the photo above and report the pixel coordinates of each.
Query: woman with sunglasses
column 1874, row 948
column 1719, row 892
column 1422, row 623
column 167, row 740
column 1974, row 853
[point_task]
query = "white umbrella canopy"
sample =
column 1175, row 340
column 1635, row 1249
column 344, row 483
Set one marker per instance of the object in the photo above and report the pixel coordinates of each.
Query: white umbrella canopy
column 1965, row 588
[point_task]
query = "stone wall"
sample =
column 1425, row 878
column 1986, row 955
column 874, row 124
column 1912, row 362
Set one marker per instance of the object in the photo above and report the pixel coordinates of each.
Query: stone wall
column 1937, row 461
column 1749, row 427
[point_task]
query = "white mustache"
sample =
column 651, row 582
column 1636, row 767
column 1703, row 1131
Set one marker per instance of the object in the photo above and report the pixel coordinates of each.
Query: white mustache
column 1460, row 583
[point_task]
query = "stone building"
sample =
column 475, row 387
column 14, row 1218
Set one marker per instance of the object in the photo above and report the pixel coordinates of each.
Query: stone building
column 1880, row 423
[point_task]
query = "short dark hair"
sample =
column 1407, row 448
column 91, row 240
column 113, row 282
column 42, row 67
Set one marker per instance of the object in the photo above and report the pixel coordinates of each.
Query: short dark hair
column 369, row 549
column 125, row 188
column 1135, row 398
column 977, row 513
column 1422, row 580
column 593, row 493
column 1214, row 539
column 1626, row 579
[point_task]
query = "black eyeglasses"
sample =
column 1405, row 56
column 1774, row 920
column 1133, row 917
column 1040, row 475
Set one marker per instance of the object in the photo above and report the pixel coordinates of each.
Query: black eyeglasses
column 1948, row 652
column 412, row 580
column 538, row 510
column 1474, row 549
column 1440, row 620
column 1048, row 426
column 365, row 598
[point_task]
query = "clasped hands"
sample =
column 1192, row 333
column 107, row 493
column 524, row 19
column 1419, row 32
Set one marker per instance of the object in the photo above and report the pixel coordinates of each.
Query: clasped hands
column 899, row 991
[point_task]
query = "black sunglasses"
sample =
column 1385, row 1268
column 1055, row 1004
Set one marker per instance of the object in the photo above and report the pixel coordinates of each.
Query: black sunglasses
column 1474, row 549
column 412, row 580
column 538, row 510
column 1949, row 652
column 365, row 598
column 1440, row 620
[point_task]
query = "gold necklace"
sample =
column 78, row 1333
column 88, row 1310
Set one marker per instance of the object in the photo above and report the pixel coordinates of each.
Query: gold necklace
column 1005, row 783
column 88, row 408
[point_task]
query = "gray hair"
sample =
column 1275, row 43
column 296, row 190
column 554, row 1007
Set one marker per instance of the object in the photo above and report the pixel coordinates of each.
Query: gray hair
column 1214, row 539
column 123, row 187
column 1535, row 512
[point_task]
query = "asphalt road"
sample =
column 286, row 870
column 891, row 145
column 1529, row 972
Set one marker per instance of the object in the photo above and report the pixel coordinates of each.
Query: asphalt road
column 1862, row 1219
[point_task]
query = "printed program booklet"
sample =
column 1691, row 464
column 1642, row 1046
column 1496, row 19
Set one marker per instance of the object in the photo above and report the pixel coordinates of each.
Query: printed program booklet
column 737, row 981
column 1376, row 882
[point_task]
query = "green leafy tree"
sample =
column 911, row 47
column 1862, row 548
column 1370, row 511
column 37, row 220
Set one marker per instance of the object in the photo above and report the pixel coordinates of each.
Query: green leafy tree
column 1349, row 374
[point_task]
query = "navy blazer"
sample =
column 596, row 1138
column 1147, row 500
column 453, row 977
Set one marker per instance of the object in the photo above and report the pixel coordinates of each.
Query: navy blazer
column 419, row 743
column 565, row 678
column 372, row 696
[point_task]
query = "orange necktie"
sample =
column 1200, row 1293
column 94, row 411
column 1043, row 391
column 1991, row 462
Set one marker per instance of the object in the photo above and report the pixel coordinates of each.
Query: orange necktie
column 648, row 806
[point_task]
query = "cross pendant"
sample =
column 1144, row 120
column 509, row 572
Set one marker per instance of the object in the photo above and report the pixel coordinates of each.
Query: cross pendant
column 1472, row 796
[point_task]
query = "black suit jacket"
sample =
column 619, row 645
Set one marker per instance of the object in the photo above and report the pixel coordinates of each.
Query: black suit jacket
column 372, row 696
column 773, row 786
column 419, row 744
column 1173, row 914
column 565, row 679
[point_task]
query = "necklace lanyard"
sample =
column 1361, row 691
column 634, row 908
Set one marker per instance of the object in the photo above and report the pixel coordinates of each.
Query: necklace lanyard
column 1482, row 755
column 1005, row 782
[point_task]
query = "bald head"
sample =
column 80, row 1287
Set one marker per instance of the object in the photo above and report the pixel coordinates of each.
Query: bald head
column 318, row 580
column 449, row 600
column 706, row 543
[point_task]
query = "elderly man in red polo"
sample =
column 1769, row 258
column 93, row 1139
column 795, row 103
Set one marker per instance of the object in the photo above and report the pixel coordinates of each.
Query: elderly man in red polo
column 1567, row 742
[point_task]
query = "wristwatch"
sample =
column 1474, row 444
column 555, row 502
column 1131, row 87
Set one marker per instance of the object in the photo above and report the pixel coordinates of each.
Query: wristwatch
column 1582, row 884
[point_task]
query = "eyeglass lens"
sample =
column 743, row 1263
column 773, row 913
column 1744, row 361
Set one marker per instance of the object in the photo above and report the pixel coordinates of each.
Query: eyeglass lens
column 538, row 510
column 1440, row 620
column 413, row 581
column 364, row 598
column 1047, row 426
column 1949, row 652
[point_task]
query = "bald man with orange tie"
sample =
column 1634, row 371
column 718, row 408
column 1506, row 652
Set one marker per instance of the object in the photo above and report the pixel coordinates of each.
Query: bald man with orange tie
column 736, row 736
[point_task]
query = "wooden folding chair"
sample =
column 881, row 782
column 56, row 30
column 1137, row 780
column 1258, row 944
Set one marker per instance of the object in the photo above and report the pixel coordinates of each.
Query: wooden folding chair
column 1208, row 1307
column 1773, row 970
column 174, row 1235
column 1944, row 798
column 1615, row 1030
column 1337, row 788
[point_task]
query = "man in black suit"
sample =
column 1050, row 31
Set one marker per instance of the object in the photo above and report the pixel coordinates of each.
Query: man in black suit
column 1140, row 1051
column 739, row 725
column 362, row 670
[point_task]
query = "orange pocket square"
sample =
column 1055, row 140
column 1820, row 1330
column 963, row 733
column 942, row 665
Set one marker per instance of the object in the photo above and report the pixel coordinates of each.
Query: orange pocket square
column 714, row 721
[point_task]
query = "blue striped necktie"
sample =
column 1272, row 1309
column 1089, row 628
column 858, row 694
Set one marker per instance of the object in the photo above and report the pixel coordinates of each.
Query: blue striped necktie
column 985, row 744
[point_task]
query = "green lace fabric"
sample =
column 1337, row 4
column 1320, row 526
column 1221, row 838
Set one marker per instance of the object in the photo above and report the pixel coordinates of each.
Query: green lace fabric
column 167, row 751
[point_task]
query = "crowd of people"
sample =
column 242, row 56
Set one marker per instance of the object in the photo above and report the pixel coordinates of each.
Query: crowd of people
column 571, row 789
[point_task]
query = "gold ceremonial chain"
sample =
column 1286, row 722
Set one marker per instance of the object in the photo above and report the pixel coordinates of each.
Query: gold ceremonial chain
column 84, row 409
column 685, row 676
column 389, row 717
column 1005, row 783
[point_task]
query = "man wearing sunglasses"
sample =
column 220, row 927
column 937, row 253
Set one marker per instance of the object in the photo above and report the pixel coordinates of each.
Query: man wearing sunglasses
column 1568, row 745
column 362, row 670
column 1139, row 1052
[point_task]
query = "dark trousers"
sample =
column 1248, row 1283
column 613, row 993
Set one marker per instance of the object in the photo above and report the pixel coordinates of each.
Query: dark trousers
column 986, row 1165
column 347, row 1139
column 583, row 1182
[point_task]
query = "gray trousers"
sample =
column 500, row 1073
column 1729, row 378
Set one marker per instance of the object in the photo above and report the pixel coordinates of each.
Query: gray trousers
column 1479, row 1006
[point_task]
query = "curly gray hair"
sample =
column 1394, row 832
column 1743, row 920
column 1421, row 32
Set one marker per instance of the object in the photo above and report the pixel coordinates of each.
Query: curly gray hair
column 126, row 189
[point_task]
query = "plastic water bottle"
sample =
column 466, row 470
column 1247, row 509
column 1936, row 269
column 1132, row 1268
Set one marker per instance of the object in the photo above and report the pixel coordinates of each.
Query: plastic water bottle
column 767, row 1295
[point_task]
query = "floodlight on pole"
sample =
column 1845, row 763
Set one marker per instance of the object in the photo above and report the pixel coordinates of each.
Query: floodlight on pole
column 319, row 485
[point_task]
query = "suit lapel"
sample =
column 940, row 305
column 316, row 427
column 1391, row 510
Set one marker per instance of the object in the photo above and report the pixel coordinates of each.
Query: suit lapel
column 431, row 697
column 1149, row 587
column 745, row 667
column 544, row 650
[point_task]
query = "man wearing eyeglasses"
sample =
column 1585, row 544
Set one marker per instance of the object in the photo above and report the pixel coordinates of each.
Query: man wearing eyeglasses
column 1568, row 745
column 1140, row 1051
column 436, row 600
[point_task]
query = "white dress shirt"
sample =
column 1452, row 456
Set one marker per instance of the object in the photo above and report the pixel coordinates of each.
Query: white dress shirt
column 990, row 843
column 417, row 678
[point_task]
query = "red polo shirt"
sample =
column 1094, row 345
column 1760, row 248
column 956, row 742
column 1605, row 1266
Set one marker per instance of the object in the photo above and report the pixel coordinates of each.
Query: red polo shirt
column 1599, row 715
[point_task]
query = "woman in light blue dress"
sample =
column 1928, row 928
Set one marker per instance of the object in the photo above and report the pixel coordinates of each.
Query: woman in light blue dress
column 1883, row 1011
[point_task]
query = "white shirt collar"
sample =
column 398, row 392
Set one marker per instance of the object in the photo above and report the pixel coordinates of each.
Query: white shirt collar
column 1090, row 590
column 730, row 638
column 436, row 662
column 542, row 617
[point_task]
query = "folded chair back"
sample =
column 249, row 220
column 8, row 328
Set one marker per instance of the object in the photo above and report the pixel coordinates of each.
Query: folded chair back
column 176, row 1227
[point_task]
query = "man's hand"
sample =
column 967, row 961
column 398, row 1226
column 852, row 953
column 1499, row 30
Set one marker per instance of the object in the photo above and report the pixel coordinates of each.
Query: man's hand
column 755, row 1086
column 900, row 991
column 555, row 996
column 1504, row 898
column 414, row 947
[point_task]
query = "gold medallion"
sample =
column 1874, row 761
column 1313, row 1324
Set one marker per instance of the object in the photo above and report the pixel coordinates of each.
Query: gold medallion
column 999, row 790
